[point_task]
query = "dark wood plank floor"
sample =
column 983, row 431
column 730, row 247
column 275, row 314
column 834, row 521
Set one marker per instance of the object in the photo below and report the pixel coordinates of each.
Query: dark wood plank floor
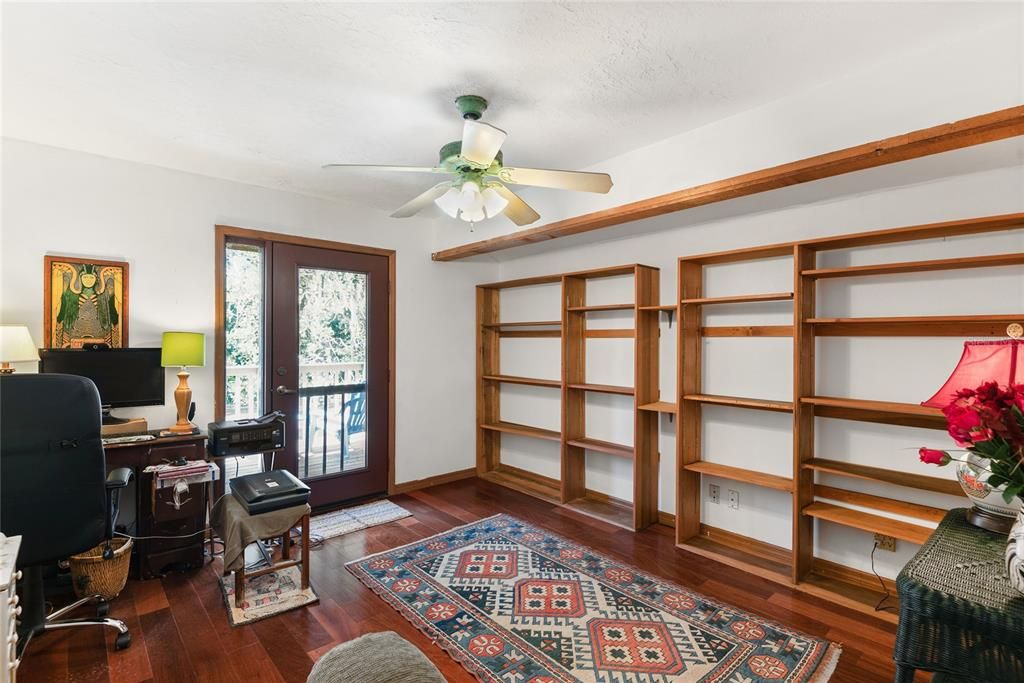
column 180, row 630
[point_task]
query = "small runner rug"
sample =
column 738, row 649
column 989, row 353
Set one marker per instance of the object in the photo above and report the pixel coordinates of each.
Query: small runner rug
column 513, row 602
column 266, row 596
column 352, row 519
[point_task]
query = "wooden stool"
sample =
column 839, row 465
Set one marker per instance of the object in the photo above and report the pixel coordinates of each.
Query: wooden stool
column 284, row 563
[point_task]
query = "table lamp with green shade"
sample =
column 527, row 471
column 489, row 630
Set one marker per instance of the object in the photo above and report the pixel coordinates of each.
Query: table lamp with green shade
column 184, row 350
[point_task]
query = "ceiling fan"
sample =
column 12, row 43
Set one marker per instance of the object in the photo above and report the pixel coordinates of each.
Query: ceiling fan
column 478, row 189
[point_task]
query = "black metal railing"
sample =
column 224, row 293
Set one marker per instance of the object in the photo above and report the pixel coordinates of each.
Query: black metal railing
column 307, row 394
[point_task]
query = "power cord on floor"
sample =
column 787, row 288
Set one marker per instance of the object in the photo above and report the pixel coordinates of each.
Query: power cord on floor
column 161, row 538
column 316, row 541
column 880, row 606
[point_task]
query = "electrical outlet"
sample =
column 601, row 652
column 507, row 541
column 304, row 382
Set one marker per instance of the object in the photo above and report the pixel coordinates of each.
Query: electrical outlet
column 734, row 499
column 714, row 494
column 886, row 542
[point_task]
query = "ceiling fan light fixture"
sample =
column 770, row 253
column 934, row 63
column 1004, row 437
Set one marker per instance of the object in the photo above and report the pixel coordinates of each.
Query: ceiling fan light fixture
column 481, row 142
column 494, row 203
column 471, row 201
column 450, row 202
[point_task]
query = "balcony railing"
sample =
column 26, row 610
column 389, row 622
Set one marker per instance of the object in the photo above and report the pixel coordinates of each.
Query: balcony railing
column 328, row 441
column 331, row 418
column 242, row 384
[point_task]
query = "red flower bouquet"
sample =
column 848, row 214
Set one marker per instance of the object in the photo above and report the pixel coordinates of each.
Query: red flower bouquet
column 989, row 422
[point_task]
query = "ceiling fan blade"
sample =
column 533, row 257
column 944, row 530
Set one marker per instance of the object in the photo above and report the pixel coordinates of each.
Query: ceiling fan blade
column 421, row 202
column 375, row 167
column 563, row 180
column 517, row 210
column 481, row 142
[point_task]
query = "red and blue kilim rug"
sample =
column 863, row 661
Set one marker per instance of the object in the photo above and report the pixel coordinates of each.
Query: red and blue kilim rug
column 516, row 604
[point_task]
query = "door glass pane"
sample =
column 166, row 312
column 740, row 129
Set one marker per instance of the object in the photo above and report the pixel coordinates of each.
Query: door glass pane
column 332, row 371
column 243, row 343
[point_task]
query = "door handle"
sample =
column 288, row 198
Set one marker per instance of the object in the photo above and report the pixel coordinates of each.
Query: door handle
column 283, row 390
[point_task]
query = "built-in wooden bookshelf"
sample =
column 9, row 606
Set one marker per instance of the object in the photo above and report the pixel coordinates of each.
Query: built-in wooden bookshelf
column 571, row 489
column 795, row 566
column 871, row 513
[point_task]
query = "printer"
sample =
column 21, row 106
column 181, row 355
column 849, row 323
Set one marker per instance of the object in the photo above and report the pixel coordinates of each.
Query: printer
column 269, row 491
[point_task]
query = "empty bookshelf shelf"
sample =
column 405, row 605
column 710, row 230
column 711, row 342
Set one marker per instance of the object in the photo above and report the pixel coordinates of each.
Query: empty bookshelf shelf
column 771, row 481
column 884, row 412
column 741, row 298
column 607, row 510
column 919, row 266
column 529, row 381
column 523, row 430
column 660, row 407
column 603, row 307
column 866, row 521
column 747, row 331
column 916, row 326
column 898, row 507
column 603, row 447
column 523, row 323
column 603, row 388
column 739, row 402
column 531, row 484
column 882, row 474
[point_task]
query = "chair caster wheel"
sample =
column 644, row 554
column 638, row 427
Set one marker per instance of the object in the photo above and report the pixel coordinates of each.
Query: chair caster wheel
column 123, row 641
column 103, row 609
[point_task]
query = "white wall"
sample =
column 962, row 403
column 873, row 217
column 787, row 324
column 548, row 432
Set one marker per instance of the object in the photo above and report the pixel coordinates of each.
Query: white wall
column 983, row 73
column 162, row 222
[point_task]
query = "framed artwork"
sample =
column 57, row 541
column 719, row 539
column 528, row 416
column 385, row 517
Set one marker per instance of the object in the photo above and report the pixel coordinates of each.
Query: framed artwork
column 85, row 301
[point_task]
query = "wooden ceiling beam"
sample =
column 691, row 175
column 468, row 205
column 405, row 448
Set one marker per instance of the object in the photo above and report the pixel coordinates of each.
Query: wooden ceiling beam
column 977, row 130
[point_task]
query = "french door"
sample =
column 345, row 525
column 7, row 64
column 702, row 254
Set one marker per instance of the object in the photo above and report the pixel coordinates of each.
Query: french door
column 323, row 358
column 326, row 306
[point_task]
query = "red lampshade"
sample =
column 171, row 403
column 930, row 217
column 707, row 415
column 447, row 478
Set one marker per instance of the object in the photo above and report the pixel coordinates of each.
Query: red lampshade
column 983, row 361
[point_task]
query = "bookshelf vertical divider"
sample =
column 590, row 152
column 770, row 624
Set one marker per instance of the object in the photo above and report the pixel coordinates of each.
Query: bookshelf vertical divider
column 688, row 426
column 804, row 258
column 645, row 381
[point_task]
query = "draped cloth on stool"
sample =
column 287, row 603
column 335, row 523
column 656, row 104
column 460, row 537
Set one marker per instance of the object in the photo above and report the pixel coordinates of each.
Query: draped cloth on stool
column 237, row 528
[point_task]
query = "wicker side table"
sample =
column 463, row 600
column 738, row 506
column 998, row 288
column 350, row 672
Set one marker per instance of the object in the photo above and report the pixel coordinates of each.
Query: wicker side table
column 959, row 616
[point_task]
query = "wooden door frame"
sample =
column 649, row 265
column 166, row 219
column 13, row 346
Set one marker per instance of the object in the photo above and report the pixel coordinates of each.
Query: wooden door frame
column 225, row 233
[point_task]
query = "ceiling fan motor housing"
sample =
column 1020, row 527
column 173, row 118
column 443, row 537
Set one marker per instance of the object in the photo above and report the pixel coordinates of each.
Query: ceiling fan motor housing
column 471, row 106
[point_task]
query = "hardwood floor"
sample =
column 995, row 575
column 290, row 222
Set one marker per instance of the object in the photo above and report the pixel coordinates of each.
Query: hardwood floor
column 181, row 633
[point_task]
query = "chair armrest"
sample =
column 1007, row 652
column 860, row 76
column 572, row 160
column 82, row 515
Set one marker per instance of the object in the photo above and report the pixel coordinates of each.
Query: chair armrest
column 118, row 478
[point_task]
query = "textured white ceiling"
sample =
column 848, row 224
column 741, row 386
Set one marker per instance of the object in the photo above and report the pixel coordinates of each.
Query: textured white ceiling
column 265, row 93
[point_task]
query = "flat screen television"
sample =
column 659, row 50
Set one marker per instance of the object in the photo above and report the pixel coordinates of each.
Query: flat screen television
column 124, row 377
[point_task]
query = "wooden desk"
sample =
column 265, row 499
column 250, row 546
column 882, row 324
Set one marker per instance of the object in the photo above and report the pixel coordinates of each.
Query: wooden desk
column 155, row 513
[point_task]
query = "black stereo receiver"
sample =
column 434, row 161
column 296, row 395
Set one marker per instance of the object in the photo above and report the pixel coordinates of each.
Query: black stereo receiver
column 246, row 437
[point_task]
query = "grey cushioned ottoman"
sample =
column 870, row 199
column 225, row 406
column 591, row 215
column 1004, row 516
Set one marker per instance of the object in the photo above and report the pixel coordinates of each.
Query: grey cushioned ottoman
column 383, row 657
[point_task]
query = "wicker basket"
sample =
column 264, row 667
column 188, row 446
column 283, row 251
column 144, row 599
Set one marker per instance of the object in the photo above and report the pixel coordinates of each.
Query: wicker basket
column 92, row 575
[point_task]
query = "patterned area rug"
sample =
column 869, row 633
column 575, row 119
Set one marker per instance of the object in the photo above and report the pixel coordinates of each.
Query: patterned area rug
column 266, row 595
column 512, row 602
column 353, row 519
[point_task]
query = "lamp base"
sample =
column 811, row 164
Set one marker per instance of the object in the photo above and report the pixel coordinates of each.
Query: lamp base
column 987, row 520
column 6, row 369
column 187, row 428
column 182, row 400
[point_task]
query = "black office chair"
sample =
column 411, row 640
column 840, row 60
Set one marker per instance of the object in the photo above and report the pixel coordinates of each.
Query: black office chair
column 54, row 489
